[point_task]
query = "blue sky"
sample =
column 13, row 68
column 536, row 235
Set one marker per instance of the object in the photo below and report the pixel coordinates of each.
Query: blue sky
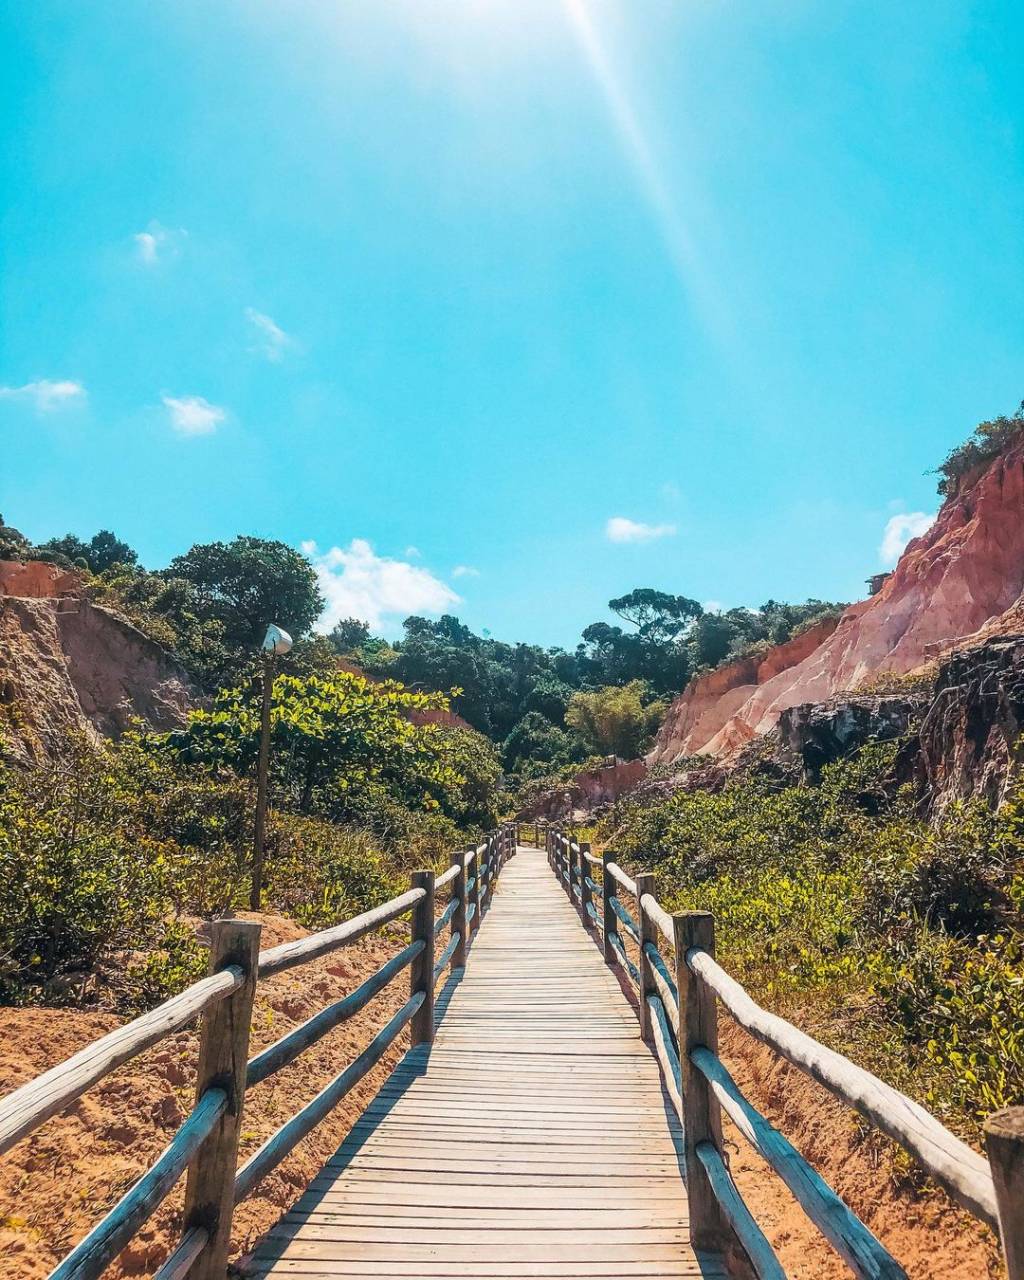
column 526, row 302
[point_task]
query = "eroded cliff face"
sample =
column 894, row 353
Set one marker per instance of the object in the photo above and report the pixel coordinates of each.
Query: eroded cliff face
column 67, row 665
column 963, row 578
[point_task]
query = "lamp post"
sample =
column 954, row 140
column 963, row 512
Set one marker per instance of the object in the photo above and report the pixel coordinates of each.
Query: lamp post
column 276, row 643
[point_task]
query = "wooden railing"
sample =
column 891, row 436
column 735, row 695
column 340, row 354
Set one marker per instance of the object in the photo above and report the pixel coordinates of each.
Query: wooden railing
column 206, row 1144
column 677, row 1005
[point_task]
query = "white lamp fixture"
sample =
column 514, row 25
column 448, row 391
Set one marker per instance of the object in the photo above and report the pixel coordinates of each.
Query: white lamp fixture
column 276, row 641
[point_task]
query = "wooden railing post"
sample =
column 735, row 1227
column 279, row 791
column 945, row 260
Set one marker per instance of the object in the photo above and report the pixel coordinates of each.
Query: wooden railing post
column 1004, row 1143
column 585, row 894
column 421, row 971
column 702, row 1117
column 223, row 1055
column 536, row 834
column 607, row 893
column 473, row 871
column 459, row 918
column 576, row 865
column 648, row 933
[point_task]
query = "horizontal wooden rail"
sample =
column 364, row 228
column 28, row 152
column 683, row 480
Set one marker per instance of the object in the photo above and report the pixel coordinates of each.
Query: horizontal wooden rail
column 288, row 1137
column 750, row 1236
column 190, row 1247
column 659, row 916
column 28, row 1107
column 290, row 1046
column 290, row 954
column 851, row 1239
column 664, row 985
column 625, row 919
column 447, row 877
column 617, row 873
column 624, row 959
column 106, row 1240
column 446, row 955
column 446, row 915
column 962, row 1172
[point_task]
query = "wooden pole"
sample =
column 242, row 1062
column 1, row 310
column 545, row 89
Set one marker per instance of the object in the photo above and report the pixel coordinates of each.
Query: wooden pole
column 421, row 971
column 223, row 1055
column 648, row 933
column 607, row 893
column 585, row 894
column 474, row 894
column 1004, row 1143
column 576, row 869
column 262, row 770
column 459, row 918
column 536, row 834
column 702, row 1118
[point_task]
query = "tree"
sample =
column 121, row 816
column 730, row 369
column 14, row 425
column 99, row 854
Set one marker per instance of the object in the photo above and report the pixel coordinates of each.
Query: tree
column 535, row 746
column 657, row 616
column 13, row 543
column 247, row 583
column 101, row 552
column 615, row 720
column 349, row 634
column 331, row 737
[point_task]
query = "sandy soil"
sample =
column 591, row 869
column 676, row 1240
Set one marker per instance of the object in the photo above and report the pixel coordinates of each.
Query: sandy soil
column 60, row 1181
column 921, row 1228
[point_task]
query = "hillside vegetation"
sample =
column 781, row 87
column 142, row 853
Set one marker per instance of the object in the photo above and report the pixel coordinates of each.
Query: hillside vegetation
column 900, row 943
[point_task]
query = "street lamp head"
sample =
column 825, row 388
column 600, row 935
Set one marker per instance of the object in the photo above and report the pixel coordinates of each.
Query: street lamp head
column 276, row 641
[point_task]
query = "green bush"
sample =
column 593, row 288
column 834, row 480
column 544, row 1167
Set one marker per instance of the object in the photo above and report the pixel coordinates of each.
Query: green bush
column 901, row 942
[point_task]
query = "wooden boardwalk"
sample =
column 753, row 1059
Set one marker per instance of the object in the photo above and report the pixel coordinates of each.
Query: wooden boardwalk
column 533, row 1139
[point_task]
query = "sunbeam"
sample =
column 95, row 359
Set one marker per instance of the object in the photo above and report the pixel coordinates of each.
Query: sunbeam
column 676, row 233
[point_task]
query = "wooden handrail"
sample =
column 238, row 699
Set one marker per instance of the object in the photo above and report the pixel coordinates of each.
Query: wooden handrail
column 962, row 1172
column 991, row 1191
column 27, row 1108
column 206, row 1143
column 290, row 954
column 850, row 1238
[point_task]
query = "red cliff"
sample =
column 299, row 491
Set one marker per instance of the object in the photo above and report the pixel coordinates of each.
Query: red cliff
column 965, row 576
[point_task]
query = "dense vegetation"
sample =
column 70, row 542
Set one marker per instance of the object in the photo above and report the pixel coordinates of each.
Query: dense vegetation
column 549, row 708
column 900, row 942
column 106, row 853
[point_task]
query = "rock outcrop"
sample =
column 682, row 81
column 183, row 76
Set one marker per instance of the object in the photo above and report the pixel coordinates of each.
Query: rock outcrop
column 67, row 665
column 591, row 791
column 820, row 733
column 964, row 577
column 970, row 741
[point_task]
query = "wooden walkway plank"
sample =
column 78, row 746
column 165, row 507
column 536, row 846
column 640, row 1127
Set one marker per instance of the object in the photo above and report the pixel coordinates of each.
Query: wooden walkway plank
column 532, row 1139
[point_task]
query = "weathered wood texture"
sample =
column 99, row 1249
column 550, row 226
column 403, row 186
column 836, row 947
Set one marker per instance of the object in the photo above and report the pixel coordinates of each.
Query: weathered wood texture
column 532, row 1139
column 223, row 1062
column 1004, row 1142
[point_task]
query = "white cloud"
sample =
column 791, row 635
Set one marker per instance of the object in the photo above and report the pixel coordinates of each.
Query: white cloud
column 157, row 243
column 413, row 553
column 193, row 416
column 899, row 530
column 713, row 606
column 465, row 571
column 271, row 339
column 45, row 395
column 620, row 529
column 357, row 583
